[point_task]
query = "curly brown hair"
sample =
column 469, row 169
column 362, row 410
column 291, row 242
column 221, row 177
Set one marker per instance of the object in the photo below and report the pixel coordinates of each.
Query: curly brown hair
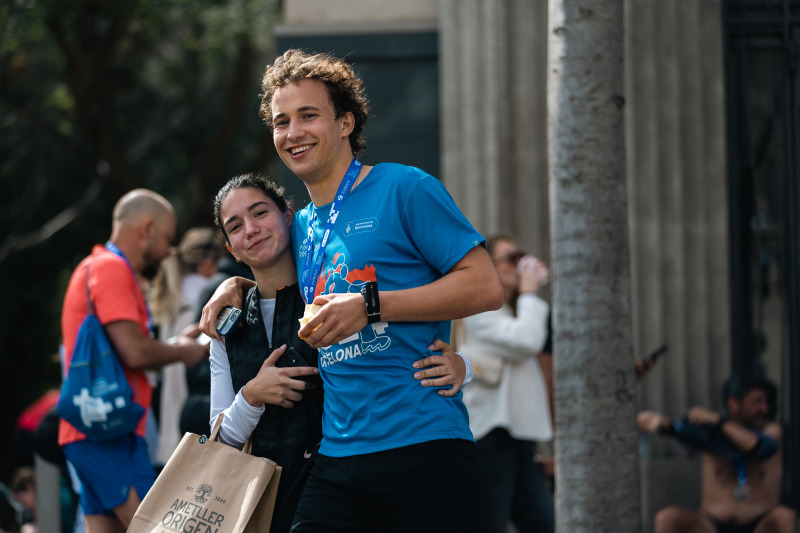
column 345, row 89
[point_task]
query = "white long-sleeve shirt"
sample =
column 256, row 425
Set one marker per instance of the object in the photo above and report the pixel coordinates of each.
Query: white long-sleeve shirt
column 519, row 401
column 240, row 417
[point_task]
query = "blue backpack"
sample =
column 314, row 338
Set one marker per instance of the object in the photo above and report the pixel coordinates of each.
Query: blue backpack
column 96, row 397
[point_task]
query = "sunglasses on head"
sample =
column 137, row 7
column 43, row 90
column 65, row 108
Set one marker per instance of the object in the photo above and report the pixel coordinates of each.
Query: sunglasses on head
column 510, row 258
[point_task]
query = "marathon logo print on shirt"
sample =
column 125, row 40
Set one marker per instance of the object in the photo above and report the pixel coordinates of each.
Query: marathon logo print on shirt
column 339, row 278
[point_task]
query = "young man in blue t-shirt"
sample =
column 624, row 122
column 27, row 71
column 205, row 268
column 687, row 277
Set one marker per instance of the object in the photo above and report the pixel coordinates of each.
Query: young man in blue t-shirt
column 391, row 260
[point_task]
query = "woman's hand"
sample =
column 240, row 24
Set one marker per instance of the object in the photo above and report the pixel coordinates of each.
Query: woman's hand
column 277, row 385
column 533, row 273
column 441, row 370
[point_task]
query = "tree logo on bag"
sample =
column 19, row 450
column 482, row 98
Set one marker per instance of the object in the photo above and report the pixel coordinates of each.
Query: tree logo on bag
column 203, row 492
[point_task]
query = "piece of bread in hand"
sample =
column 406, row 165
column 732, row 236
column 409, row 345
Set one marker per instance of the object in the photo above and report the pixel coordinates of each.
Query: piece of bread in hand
column 308, row 314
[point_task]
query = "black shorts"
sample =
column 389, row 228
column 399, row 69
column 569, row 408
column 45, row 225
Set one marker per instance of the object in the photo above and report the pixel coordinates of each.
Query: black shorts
column 738, row 528
column 431, row 486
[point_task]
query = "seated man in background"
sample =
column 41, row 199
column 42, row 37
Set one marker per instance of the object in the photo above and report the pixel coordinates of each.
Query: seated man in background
column 741, row 476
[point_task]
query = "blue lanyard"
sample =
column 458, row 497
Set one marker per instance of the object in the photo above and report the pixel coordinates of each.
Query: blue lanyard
column 113, row 248
column 309, row 278
column 740, row 465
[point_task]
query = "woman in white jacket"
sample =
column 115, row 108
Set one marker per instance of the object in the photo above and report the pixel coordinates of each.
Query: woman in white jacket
column 507, row 401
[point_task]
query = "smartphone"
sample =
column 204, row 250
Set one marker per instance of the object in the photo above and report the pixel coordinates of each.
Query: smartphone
column 293, row 358
column 655, row 354
column 227, row 319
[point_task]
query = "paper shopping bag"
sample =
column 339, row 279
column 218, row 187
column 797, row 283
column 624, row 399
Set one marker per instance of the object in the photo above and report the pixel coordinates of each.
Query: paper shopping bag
column 210, row 487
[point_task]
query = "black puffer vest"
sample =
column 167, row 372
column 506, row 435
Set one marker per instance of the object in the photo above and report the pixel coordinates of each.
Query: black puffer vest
column 286, row 436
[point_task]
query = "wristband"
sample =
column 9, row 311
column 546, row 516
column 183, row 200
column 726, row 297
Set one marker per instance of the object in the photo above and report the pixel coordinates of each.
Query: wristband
column 370, row 293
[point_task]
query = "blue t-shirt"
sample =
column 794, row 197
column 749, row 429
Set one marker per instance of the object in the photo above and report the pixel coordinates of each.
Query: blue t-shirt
column 401, row 228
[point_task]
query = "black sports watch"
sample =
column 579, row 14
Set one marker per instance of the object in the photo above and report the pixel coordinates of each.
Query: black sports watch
column 370, row 293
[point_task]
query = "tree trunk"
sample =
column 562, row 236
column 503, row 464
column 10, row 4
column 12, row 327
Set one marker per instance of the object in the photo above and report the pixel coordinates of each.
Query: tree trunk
column 596, row 443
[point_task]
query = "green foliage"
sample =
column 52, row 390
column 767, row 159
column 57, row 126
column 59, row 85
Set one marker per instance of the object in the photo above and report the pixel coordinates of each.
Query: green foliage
column 109, row 96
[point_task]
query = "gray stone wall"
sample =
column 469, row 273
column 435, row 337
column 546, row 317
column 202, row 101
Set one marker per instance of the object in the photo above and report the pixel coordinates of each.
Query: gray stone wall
column 493, row 56
column 679, row 238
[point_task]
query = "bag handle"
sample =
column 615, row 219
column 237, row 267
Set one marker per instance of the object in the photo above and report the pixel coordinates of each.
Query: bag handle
column 89, row 304
column 248, row 444
column 90, row 311
column 215, row 429
column 457, row 334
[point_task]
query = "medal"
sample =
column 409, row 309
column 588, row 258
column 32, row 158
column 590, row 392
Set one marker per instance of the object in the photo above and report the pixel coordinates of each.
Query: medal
column 740, row 492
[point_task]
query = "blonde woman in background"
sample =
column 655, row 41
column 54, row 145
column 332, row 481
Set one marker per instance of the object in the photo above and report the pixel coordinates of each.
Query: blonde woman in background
column 173, row 300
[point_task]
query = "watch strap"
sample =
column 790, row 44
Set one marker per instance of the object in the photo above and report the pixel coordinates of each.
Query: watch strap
column 370, row 293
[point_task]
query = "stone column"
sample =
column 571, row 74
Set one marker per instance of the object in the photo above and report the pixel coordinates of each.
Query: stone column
column 493, row 115
column 679, row 226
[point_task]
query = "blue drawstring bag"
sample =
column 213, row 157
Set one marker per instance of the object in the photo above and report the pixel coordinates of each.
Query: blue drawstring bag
column 96, row 397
